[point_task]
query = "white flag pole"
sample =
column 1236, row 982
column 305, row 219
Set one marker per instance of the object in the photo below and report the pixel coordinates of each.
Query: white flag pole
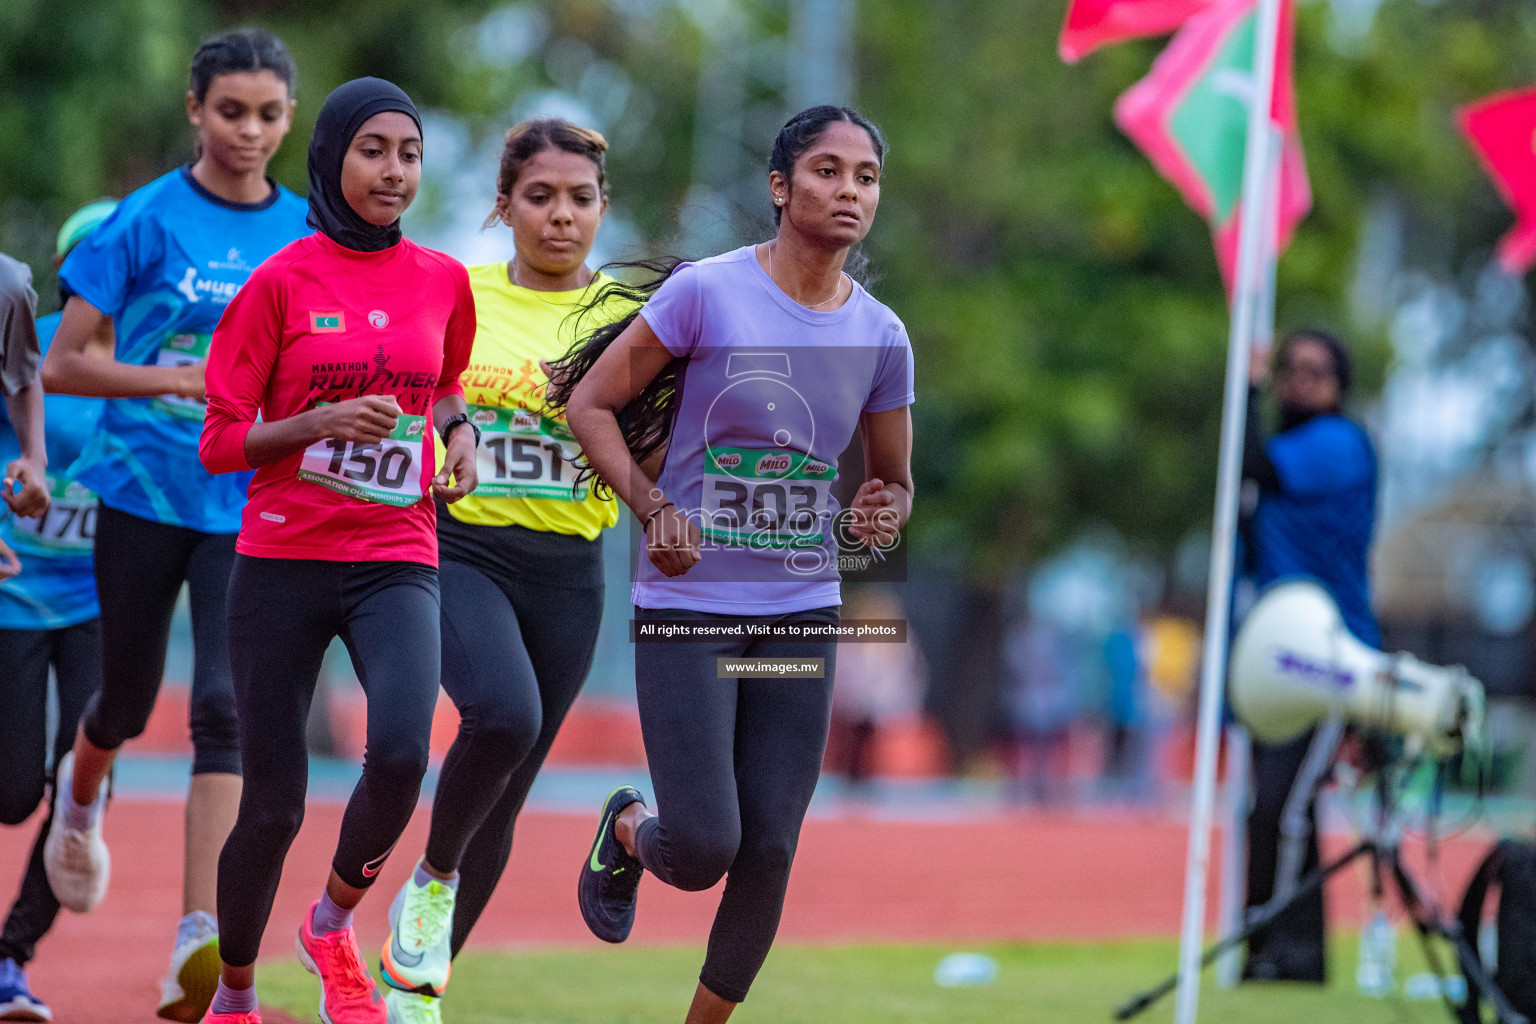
column 1256, row 163
column 1234, row 800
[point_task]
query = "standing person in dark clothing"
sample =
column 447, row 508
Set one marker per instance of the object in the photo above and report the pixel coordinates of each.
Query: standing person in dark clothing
column 1316, row 511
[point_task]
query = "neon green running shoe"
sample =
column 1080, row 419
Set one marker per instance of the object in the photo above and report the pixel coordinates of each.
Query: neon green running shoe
column 413, row 1008
column 418, row 955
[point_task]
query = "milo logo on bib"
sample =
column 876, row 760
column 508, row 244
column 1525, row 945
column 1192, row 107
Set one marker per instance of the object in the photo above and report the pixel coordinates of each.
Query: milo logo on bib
column 773, row 465
column 524, row 454
column 183, row 350
column 765, row 499
column 389, row 473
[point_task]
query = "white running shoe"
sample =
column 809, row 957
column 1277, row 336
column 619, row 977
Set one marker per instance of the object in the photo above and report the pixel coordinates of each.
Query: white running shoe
column 412, row 1007
column 76, row 860
column 187, row 989
column 418, row 956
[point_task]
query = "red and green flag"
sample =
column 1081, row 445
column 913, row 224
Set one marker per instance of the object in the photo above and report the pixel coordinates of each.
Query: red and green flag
column 1190, row 117
column 1502, row 129
column 1091, row 24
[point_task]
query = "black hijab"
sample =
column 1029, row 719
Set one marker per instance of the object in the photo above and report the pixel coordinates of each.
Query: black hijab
column 344, row 112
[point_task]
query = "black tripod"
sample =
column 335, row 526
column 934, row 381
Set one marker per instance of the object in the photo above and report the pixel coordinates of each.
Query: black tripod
column 1385, row 862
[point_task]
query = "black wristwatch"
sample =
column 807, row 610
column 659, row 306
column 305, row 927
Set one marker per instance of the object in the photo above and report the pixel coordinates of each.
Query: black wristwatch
column 454, row 421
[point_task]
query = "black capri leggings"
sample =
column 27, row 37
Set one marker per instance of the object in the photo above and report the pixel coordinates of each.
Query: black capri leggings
column 283, row 614
column 25, row 655
column 140, row 566
column 734, row 763
column 521, row 610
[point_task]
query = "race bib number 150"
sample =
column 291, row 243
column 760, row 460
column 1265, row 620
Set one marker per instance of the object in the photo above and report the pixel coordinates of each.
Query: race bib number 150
column 388, row 472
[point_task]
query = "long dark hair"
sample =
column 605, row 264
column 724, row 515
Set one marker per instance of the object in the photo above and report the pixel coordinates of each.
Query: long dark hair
column 646, row 421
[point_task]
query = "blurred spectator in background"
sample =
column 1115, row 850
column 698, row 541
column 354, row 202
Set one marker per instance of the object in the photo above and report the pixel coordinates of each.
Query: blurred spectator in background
column 1316, row 507
column 1152, row 665
column 1040, row 701
column 1125, row 739
column 876, row 684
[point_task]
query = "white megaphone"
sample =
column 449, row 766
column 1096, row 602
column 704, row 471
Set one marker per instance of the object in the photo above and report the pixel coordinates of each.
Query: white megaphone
column 1294, row 663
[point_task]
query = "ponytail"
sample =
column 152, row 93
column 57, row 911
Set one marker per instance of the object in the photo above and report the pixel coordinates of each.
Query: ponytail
column 646, row 422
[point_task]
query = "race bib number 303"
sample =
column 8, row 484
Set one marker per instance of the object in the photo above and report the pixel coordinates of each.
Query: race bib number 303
column 388, row 472
column 183, row 350
column 523, row 454
column 69, row 526
column 765, row 499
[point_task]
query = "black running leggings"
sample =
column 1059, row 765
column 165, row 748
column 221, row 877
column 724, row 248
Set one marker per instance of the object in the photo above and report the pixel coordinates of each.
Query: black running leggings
column 521, row 610
column 734, row 763
column 283, row 613
column 25, row 655
column 140, row 566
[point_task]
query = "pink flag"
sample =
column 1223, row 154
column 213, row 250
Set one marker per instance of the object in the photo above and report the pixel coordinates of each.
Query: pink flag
column 1190, row 116
column 1502, row 129
column 1091, row 24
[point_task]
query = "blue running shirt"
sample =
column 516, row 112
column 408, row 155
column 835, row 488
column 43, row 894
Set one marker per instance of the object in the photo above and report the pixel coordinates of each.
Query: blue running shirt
column 164, row 266
column 57, row 585
column 1319, row 523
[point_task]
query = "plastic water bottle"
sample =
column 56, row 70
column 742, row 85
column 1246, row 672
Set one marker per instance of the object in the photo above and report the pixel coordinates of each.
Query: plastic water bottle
column 963, row 969
column 1378, row 955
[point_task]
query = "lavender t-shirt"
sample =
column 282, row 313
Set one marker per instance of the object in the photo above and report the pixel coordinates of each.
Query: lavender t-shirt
column 768, row 398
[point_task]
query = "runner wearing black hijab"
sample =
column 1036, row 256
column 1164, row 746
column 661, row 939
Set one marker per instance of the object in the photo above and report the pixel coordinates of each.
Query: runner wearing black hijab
column 344, row 342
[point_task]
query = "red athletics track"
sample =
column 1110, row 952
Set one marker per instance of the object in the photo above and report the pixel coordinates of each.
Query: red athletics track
column 1034, row 876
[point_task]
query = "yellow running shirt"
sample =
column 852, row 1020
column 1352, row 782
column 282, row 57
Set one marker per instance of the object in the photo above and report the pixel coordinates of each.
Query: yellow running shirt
column 525, row 476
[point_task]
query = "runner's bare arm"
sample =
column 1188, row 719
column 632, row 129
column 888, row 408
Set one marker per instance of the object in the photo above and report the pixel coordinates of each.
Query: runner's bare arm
column 70, row 369
column 365, row 420
column 620, row 373
column 884, row 501
column 25, row 411
column 459, row 460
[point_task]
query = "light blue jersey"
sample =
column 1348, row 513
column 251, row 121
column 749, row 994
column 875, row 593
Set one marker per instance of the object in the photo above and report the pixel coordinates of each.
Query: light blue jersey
column 57, row 585
column 164, row 266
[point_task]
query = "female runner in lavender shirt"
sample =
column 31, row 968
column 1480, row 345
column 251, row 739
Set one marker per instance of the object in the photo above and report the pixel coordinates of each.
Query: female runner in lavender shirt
column 745, row 376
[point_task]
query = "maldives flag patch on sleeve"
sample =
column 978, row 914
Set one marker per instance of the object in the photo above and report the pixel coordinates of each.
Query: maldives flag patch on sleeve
column 327, row 323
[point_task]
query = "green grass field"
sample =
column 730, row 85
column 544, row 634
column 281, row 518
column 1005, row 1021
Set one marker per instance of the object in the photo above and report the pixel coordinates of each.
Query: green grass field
column 1061, row 984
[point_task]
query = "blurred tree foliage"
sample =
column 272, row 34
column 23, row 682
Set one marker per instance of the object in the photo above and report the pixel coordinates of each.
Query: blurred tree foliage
column 1065, row 306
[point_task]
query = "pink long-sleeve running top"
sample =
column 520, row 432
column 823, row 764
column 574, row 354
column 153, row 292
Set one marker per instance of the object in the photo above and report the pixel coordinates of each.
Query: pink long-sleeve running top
column 319, row 323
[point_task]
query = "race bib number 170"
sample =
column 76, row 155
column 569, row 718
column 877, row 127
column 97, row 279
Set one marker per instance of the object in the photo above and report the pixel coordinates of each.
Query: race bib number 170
column 388, row 472
column 68, row 527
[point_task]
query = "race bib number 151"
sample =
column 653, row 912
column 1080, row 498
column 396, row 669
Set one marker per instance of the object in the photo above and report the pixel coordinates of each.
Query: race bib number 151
column 524, row 454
